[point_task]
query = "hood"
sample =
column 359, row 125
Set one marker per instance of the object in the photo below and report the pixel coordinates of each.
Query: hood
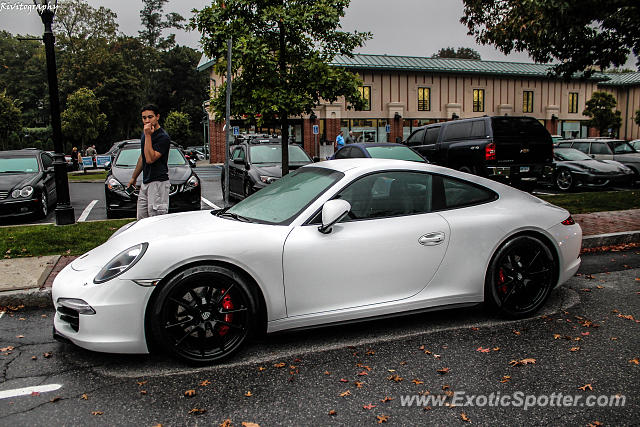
column 160, row 231
column 275, row 169
column 177, row 174
column 10, row 181
column 601, row 166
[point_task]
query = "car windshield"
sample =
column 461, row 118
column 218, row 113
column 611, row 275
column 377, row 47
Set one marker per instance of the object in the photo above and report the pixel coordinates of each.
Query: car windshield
column 568, row 154
column 128, row 158
column 19, row 164
column 273, row 154
column 280, row 202
column 621, row 147
column 392, row 152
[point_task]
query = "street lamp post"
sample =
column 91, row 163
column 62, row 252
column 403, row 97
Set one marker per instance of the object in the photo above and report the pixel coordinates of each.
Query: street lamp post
column 64, row 211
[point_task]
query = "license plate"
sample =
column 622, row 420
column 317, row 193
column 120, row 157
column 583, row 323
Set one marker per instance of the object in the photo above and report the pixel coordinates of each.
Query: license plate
column 524, row 168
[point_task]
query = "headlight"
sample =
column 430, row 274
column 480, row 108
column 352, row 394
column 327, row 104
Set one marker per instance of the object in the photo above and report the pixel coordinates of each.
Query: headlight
column 268, row 179
column 114, row 184
column 24, row 192
column 121, row 263
column 192, row 182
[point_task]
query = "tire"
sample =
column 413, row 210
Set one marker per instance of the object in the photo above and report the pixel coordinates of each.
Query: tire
column 203, row 314
column 520, row 277
column 111, row 214
column 564, row 180
column 43, row 208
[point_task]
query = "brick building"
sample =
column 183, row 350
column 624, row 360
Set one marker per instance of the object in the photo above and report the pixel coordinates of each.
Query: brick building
column 406, row 92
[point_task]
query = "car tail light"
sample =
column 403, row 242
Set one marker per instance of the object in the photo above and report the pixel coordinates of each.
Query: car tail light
column 490, row 151
column 569, row 221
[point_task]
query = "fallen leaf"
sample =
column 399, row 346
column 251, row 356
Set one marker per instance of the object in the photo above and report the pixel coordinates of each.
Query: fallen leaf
column 345, row 393
column 465, row 418
column 363, row 373
column 47, row 355
column 35, row 393
column 248, row 394
column 614, row 338
column 358, row 384
column 189, row 393
column 574, row 349
column 55, row 399
column 522, row 362
column 586, row 387
column 280, row 365
column 382, row 418
column 516, row 332
column 333, row 413
column 34, row 357
column 248, row 424
column 19, row 336
column 600, row 287
column 635, row 361
column 205, row 383
column 369, row 406
column 417, row 382
column 197, row 411
column 594, row 424
column 585, row 333
column 586, row 290
column 141, row 383
column 226, row 423
column 344, row 380
column 505, row 379
column 327, row 373
column 84, row 397
column 475, row 328
column 483, row 350
column 143, row 392
column 622, row 316
column 3, row 349
column 395, row 378
column 261, row 368
column 97, row 413
column 443, row 371
column 370, row 352
column 386, row 399
column 496, row 349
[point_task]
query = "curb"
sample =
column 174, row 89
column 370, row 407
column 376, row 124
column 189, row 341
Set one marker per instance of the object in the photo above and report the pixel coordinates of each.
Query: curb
column 41, row 298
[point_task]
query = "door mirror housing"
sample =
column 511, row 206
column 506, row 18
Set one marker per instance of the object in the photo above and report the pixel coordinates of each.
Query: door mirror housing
column 50, row 170
column 107, row 166
column 332, row 212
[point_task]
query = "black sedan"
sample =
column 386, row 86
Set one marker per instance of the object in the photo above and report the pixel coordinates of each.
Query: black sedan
column 378, row 150
column 184, row 194
column 575, row 169
column 256, row 164
column 27, row 183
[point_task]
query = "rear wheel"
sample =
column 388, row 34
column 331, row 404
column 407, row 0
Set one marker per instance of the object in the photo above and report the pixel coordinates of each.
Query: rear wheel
column 204, row 314
column 520, row 277
column 564, row 180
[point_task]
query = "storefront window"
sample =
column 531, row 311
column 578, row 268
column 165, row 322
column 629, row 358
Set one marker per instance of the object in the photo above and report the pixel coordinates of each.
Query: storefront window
column 382, row 131
column 365, row 130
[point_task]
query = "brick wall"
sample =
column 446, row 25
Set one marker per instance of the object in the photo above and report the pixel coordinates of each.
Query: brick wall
column 552, row 126
column 216, row 142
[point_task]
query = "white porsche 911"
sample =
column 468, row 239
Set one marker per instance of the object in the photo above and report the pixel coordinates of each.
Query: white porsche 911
column 331, row 242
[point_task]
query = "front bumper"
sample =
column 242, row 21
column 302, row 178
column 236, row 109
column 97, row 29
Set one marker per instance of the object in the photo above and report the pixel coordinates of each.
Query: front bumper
column 180, row 200
column 118, row 322
column 568, row 239
column 600, row 180
column 18, row 207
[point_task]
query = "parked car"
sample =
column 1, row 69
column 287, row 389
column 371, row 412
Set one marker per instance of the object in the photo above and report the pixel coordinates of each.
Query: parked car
column 27, row 183
column 608, row 149
column 576, row 169
column 184, row 193
column 635, row 144
column 514, row 150
column 256, row 163
column 379, row 150
column 198, row 285
column 200, row 152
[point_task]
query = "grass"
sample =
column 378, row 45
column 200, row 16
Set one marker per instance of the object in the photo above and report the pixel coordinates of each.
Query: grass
column 578, row 203
column 37, row 240
column 93, row 176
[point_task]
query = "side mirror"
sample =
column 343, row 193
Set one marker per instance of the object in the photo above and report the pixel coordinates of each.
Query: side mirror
column 316, row 159
column 107, row 166
column 332, row 212
column 593, row 156
column 192, row 163
column 238, row 161
column 50, row 169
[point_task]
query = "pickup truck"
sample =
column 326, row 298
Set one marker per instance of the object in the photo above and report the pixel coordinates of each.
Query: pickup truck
column 511, row 149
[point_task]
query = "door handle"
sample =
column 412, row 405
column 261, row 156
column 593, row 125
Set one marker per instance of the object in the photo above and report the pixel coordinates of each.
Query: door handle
column 431, row 239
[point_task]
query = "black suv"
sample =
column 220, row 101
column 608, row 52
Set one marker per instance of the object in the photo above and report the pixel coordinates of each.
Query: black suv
column 27, row 183
column 515, row 150
column 256, row 161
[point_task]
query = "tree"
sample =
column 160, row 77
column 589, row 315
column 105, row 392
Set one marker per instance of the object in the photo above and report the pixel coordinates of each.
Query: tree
column 579, row 34
column 281, row 53
column 10, row 118
column 153, row 24
column 76, row 20
column 600, row 109
column 637, row 118
column 82, row 121
column 461, row 53
column 178, row 126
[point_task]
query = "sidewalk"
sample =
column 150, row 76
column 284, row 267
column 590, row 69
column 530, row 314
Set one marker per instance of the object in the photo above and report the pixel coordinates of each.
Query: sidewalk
column 27, row 281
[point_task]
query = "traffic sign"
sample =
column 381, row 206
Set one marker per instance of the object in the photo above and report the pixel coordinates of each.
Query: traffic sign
column 316, row 129
column 236, row 130
column 388, row 128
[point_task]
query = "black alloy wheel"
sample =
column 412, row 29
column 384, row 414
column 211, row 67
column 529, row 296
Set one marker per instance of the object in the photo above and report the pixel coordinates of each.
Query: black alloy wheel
column 564, row 180
column 520, row 277
column 203, row 314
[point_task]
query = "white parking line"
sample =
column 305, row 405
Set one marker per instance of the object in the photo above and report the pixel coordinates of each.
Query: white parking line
column 213, row 205
column 87, row 211
column 6, row 394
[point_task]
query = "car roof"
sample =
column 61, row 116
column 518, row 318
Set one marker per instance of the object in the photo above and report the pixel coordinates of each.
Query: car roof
column 375, row 144
column 597, row 140
column 20, row 153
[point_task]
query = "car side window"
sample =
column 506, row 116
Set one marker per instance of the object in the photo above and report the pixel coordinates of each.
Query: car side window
column 565, row 145
column 238, row 153
column 582, row 146
column 432, row 135
column 416, row 138
column 600, row 148
column 450, row 193
column 343, row 153
column 456, row 131
column 388, row 194
column 356, row 153
column 47, row 161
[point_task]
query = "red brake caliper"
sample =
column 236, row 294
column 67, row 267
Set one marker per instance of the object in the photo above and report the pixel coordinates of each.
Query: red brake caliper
column 501, row 285
column 227, row 304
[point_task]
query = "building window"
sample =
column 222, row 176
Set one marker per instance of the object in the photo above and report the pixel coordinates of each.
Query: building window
column 478, row 100
column 365, row 91
column 527, row 101
column 424, row 99
column 573, row 102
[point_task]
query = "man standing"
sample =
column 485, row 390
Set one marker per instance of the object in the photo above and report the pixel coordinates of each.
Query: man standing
column 153, row 198
column 339, row 141
column 350, row 138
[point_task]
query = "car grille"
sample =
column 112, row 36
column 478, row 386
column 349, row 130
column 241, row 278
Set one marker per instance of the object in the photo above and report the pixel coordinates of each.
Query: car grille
column 70, row 316
column 4, row 194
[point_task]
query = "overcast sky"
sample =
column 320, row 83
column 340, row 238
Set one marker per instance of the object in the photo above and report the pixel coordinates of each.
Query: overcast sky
column 399, row 27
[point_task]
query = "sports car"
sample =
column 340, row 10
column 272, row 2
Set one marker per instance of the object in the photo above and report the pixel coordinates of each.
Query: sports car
column 400, row 236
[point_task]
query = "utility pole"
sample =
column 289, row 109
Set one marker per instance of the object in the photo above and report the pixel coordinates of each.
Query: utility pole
column 227, row 134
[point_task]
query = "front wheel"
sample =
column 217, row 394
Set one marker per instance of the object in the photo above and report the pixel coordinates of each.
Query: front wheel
column 564, row 180
column 520, row 277
column 43, row 208
column 203, row 314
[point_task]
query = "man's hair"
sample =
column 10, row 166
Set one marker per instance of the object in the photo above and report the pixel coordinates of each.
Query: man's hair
column 150, row 107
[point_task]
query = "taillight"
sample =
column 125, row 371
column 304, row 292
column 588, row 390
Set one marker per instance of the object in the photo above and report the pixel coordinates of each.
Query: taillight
column 490, row 151
column 568, row 221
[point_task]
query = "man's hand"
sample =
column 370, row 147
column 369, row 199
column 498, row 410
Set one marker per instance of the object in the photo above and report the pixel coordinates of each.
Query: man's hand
column 149, row 129
column 132, row 181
